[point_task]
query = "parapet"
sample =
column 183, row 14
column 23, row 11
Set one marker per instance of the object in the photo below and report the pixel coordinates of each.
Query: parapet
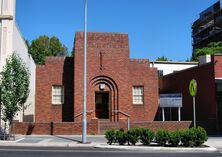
column 102, row 40
column 140, row 61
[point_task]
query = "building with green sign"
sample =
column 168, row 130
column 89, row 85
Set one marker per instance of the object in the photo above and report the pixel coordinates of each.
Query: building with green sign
column 208, row 76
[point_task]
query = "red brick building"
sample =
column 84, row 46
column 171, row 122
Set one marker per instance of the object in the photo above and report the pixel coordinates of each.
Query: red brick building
column 119, row 89
column 209, row 93
column 114, row 83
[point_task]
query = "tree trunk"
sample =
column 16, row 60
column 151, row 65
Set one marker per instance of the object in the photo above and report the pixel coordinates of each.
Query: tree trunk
column 4, row 131
column 11, row 130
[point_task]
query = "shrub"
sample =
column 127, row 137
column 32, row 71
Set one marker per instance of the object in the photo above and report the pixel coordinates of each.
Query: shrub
column 146, row 136
column 133, row 135
column 110, row 136
column 162, row 136
column 121, row 137
column 194, row 137
column 186, row 137
column 200, row 136
column 174, row 138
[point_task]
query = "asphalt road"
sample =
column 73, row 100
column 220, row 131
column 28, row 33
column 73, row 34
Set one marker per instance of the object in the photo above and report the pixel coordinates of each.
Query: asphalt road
column 91, row 152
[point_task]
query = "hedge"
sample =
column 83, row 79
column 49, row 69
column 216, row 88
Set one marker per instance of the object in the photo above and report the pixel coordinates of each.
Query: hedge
column 193, row 137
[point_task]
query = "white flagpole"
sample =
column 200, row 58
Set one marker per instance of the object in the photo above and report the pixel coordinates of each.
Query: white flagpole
column 84, row 121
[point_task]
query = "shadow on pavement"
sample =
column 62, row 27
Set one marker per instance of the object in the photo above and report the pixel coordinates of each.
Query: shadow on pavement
column 70, row 139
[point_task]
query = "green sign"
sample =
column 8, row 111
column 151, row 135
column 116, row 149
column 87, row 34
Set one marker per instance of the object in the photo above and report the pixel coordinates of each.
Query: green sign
column 193, row 87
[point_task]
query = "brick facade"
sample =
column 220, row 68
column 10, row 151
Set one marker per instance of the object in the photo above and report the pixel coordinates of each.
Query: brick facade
column 108, row 64
column 56, row 71
column 217, row 60
column 207, row 109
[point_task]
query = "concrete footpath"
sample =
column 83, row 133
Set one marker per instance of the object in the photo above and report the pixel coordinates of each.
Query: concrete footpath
column 99, row 141
column 215, row 141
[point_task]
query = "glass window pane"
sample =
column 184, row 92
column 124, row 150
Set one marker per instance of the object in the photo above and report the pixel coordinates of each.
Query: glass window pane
column 138, row 95
column 57, row 94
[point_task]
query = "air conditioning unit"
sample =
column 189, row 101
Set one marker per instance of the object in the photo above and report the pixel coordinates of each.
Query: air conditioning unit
column 204, row 59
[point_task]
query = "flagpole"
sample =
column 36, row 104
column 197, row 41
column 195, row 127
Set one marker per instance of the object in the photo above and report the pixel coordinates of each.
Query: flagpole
column 84, row 121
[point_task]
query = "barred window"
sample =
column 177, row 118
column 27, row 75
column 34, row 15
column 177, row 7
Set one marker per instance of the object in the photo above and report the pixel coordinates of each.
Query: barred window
column 137, row 95
column 57, row 94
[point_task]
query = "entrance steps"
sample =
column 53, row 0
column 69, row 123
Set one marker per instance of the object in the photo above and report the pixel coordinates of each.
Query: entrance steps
column 106, row 124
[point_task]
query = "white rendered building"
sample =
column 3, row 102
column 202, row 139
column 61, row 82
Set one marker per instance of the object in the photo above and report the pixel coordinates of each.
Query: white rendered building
column 11, row 41
column 167, row 67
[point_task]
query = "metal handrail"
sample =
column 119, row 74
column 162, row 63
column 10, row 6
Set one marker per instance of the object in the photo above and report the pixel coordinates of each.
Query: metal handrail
column 125, row 114
column 80, row 114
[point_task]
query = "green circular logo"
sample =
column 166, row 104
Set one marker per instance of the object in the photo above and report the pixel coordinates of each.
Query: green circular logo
column 193, row 87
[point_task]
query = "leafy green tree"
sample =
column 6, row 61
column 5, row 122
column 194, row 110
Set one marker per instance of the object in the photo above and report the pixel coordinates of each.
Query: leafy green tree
column 54, row 46
column 162, row 58
column 63, row 51
column 44, row 46
column 211, row 48
column 39, row 49
column 14, row 87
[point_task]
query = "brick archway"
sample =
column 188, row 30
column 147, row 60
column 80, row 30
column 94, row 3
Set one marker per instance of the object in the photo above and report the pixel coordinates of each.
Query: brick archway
column 112, row 88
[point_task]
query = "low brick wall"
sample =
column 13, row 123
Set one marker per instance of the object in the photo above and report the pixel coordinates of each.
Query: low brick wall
column 169, row 125
column 155, row 125
column 63, row 128
column 27, row 128
column 75, row 128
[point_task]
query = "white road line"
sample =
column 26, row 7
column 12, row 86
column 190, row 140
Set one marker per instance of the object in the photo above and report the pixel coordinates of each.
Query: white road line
column 6, row 141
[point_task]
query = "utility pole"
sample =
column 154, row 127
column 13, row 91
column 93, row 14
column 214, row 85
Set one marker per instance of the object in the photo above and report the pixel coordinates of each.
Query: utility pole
column 84, row 121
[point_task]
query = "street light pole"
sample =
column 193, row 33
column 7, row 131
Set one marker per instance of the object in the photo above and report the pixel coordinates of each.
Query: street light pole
column 84, row 121
column 193, row 92
column 194, row 113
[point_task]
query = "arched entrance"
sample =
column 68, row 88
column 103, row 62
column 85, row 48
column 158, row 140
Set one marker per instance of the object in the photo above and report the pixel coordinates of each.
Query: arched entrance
column 106, row 97
column 102, row 105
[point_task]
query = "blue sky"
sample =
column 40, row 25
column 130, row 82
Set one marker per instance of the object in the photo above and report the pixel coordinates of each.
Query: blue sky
column 155, row 27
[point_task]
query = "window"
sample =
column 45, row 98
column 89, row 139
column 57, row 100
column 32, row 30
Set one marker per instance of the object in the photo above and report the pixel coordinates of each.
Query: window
column 57, row 94
column 160, row 73
column 219, row 87
column 137, row 95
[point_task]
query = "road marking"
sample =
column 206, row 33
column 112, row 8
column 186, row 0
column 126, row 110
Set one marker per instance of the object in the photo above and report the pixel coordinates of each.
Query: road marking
column 6, row 141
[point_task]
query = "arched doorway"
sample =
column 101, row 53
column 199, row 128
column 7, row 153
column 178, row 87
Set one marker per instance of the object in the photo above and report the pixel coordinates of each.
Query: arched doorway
column 106, row 97
column 102, row 104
